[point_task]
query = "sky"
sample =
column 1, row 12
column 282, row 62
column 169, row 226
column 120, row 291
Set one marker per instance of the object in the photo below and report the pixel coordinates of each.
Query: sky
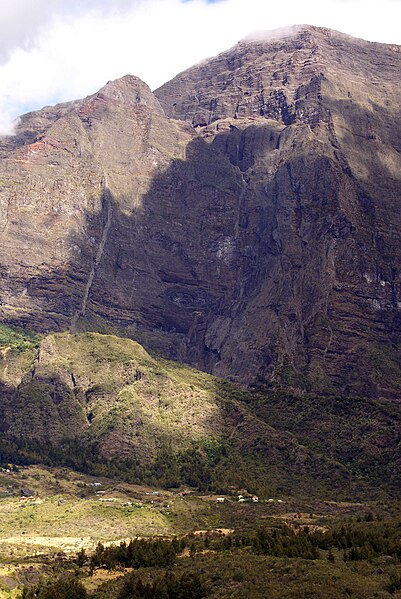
column 59, row 50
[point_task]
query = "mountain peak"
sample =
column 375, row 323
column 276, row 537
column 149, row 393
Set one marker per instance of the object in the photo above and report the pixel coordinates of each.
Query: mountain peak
column 127, row 82
column 124, row 93
column 267, row 73
column 298, row 31
column 271, row 35
column 129, row 90
column 307, row 33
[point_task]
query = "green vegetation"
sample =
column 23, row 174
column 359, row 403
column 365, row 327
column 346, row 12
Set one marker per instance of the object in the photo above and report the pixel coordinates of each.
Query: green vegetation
column 61, row 588
column 361, row 434
column 183, row 542
column 274, row 559
column 18, row 339
column 170, row 586
column 383, row 362
column 137, row 553
column 102, row 405
column 105, row 407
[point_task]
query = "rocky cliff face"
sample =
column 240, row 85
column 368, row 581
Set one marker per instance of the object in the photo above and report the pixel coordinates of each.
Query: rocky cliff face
column 245, row 218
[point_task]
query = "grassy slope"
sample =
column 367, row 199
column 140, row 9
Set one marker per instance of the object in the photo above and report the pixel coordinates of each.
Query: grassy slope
column 103, row 404
column 68, row 513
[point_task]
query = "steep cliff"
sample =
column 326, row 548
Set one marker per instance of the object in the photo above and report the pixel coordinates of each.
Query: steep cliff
column 246, row 221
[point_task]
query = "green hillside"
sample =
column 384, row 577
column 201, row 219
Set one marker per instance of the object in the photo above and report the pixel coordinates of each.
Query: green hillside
column 103, row 405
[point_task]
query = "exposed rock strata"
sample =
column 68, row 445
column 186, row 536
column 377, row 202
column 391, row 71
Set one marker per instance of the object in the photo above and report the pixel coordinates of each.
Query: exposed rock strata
column 253, row 231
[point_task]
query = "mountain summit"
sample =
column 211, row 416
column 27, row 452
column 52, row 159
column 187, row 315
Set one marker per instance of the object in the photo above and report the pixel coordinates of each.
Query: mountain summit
column 244, row 218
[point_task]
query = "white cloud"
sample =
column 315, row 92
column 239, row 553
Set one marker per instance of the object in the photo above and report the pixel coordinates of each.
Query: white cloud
column 59, row 50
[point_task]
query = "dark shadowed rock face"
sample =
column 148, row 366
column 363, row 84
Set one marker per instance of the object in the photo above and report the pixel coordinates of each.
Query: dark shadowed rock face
column 254, row 231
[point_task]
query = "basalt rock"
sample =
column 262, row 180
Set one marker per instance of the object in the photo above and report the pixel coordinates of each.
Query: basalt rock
column 245, row 218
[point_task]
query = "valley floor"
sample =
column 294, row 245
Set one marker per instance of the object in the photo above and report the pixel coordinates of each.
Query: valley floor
column 48, row 516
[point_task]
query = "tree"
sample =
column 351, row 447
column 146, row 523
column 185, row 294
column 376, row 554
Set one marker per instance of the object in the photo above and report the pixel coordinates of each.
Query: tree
column 60, row 588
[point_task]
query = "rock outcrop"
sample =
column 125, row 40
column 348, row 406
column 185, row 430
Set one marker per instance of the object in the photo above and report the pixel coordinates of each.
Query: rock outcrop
column 245, row 219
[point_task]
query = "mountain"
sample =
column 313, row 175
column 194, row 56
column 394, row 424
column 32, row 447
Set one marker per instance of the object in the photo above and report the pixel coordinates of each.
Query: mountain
column 244, row 218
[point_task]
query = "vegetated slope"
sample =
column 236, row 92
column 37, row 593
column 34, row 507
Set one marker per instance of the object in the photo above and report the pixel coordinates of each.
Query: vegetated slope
column 285, row 558
column 103, row 404
column 252, row 232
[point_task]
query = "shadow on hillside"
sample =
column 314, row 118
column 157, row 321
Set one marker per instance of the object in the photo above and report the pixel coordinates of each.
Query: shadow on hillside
column 190, row 255
column 6, row 393
column 352, row 443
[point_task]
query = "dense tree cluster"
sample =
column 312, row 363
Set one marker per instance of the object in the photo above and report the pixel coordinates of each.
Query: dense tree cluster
column 362, row 541
column 171, row 586
column 357, row 541
column 63, row 587
column 137, row 553
column 169, row 470
column 284, row 543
